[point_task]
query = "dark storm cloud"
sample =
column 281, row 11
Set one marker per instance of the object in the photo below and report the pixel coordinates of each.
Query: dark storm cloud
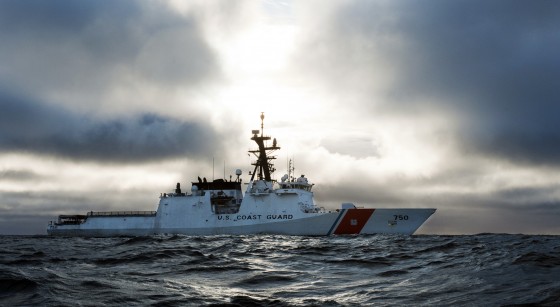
column 494, row 64
column 26, row 125
column 91, row 46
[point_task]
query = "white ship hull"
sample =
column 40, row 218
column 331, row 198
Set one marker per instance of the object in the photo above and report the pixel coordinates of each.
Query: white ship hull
column 192, row 215
column 320, row 224
column 266, row 207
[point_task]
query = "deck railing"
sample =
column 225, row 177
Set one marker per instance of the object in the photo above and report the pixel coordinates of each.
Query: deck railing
column 122, row 213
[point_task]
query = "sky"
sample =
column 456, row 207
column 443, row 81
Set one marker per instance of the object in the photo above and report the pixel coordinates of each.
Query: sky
column 453, row 105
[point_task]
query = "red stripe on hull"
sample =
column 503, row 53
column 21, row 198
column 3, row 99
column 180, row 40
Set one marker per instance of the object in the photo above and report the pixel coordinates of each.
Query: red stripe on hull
column 353, row 221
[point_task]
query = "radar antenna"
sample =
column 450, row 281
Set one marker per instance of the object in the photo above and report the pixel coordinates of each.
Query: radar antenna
column 263, row 165
column 262, row 123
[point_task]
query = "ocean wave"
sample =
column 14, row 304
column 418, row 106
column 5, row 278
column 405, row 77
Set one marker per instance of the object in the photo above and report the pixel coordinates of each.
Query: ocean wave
column 266, row 278
column 177, row 270
column 15, row 284
column 538, row 259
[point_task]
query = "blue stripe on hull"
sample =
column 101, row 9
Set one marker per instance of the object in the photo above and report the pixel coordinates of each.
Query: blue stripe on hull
column 336, row 221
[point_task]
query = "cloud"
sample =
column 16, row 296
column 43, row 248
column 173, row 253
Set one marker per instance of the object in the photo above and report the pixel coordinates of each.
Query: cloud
column 18, row 175
column 359, row 146
column 439, row 104
column 84, row 51
column 492, row 66
column 26, row 125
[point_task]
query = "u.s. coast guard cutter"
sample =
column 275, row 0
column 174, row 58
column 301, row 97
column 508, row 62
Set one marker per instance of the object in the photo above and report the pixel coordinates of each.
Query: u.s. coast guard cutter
column 220, row 207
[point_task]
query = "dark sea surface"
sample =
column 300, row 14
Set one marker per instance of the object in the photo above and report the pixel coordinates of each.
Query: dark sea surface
column 268, row 270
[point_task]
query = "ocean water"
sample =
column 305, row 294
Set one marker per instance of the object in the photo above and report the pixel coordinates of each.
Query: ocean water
column 271, row 270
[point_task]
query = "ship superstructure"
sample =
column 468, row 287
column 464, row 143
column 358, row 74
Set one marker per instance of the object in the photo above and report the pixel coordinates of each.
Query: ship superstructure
column 267, row 206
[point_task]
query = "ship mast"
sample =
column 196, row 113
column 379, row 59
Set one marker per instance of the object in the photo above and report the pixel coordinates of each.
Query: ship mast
column 263, row 165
